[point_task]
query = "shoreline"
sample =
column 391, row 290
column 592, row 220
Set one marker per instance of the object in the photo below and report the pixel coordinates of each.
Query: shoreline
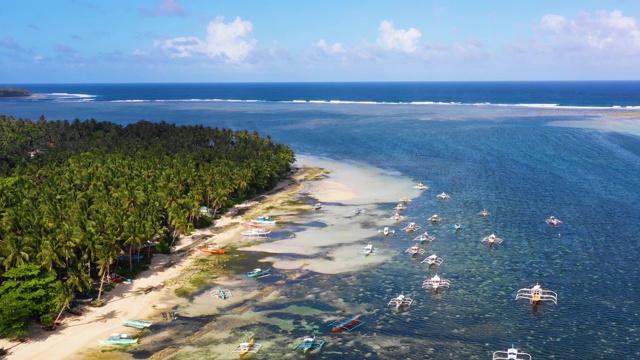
column 153, row 292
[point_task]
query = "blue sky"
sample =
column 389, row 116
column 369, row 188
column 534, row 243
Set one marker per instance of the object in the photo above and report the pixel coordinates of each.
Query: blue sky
column 71, row 41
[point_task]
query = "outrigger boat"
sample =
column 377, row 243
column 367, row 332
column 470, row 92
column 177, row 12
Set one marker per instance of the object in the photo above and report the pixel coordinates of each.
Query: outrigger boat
column 435, row 283
column 221, row 293
column 266, row 220
column 247, row 347
column 537, row 294
column 397, row 217
column 492, row 239
column 346, row 324
column 258, row 273
column 212, row 249
column 458, row 226
column 256, row 233
column 309, row 343
column 424, row 237
column 433, row 260
column 135, row 323
column 421, row 186
column 119, row 339
column 386, row 231
column 484, row 213
column 400, row 300
column 553, row 221
column 443, row 196
column 411, row 227
column 511, row 354
column 369, row 250
column 415, row 250
column 317, row 206
column 435, row 218
column 357, row 211
column 405, row 200
column 400, row 207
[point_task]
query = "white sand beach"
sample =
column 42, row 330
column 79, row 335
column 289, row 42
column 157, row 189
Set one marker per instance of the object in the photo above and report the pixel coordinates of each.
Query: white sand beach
column 344, row 188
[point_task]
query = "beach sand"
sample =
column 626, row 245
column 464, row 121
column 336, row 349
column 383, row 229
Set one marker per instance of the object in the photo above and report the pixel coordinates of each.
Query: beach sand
column 340, row 190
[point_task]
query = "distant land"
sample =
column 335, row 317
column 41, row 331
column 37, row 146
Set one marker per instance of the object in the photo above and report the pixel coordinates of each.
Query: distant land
column 13, row 92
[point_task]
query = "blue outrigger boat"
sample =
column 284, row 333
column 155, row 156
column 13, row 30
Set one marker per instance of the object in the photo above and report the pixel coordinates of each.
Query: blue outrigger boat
column 266, row 220
column 309, row 343
column 221, row 293
column 135, row 323
column 258, row 273
column 119, row 339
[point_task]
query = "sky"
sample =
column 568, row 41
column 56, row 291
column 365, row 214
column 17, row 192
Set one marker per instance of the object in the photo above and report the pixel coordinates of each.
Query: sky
column 124, row 41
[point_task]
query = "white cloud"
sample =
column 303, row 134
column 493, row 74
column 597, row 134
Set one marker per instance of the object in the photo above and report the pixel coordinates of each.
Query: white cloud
column 231, row 43
column 327, row 49
column 605, row 33
column 390, row 38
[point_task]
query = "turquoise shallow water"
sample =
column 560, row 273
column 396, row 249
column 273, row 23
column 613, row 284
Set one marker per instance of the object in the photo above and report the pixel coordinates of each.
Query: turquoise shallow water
column 507, row 160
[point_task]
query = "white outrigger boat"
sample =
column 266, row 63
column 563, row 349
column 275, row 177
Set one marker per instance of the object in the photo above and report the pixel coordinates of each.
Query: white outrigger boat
column 443, row 196
column 492, row 239
column 415, row 250
column 421, row 186
column 435, row 218
column 537, row 294
column 317, row 206
column 511, row 354
column 400, row 207
column 411, row 227
column 424, row 237
column 400, row 301
column 553, row 221
column 432, row 260
column 397, row 217
column 257, row 232
column 386, row 231
column 405, row 200
column 357, row 211
column 369, row 250
column 436, row 283
column 484, row 213
column 247, row 347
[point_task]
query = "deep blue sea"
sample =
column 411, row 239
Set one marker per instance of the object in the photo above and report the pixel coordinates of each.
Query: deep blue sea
column 490, row 145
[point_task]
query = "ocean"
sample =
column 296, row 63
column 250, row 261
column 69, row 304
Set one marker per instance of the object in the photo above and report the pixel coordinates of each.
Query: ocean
column 522, row 150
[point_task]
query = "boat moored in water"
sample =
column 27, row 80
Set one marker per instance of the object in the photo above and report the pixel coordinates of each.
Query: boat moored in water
column 511, row 354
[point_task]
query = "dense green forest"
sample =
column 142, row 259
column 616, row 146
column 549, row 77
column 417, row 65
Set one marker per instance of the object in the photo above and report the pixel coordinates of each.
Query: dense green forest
column 13, row 92
column 77, row 196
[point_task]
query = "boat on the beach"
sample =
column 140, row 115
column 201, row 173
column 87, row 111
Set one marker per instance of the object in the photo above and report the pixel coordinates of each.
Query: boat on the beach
column 309, row 343
column 400, row 300
column 386, row 231
column 257, row 233
column 492, row 239
column 424, row 237
column 346, row 324
column 252, row 226
column 415, row 250
column 536, row 294
column 136, row 323
column 357, row 211
column 212, row 249
column 119, row 339
column 405, row 200
column 369, row 250
column 553, row 221
column 317, row 206
column 511, row 354
column 221, row 293
column 247, row 347
column 411, row 227
column 433, row 260
column 436, row 283
column 258, row 273
column 266, row 220
column 421, row 186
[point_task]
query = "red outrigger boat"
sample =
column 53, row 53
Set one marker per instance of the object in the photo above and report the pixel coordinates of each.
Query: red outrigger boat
column 346, row 324
column 212, row 249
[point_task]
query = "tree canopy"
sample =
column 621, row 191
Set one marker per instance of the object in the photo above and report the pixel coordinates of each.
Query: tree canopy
column 76, row 196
